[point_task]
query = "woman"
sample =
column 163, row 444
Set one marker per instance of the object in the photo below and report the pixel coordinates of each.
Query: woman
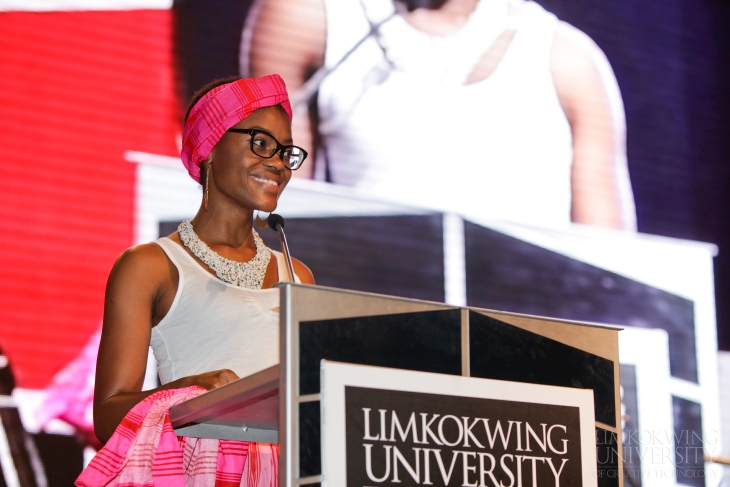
column 200, row 297
column 506, row 112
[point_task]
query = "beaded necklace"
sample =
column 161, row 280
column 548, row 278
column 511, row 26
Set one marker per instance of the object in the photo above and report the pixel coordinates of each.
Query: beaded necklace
column 249, row 274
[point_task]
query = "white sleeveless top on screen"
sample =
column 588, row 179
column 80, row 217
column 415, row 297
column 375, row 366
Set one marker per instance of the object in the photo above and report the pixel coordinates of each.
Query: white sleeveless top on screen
column 214, row 325
column 499, row 148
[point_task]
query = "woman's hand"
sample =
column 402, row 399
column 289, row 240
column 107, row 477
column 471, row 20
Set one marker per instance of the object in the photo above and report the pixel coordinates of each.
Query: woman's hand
column 109, row 412
column 209, row 380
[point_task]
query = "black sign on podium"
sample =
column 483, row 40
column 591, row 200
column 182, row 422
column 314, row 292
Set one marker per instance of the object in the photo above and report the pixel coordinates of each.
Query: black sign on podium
column 417, row 428
column 440, row 354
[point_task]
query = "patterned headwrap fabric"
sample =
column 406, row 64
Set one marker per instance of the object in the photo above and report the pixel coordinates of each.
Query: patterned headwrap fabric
column 222, row 108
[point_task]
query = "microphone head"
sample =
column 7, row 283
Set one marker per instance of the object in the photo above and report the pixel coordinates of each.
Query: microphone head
column 275, row 220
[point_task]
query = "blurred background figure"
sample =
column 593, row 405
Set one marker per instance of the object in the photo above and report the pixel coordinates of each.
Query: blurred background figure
column 70, row 396
column 477, row 106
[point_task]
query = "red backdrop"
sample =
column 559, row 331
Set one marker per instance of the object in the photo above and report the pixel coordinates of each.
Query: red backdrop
column 77, row 89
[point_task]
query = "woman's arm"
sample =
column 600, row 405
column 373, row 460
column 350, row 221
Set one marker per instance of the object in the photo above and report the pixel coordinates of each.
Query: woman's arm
column 601, row 191
column 141, row 282
column 289, row 39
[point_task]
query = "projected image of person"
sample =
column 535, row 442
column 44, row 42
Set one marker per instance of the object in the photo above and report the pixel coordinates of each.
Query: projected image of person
column 202, row 297
column 492, row 108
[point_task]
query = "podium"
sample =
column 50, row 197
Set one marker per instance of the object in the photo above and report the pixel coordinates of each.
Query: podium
column 282, row 404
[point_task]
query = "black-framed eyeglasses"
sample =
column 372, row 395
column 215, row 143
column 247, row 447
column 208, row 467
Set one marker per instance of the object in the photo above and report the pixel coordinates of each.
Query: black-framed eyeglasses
column 263, row 144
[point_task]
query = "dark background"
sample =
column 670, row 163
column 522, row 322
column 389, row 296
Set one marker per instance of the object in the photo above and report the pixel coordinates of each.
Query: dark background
column 672, row 63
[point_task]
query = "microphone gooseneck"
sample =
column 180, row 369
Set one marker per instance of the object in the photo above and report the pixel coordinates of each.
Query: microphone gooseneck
column 276, row 223
column 304, row 94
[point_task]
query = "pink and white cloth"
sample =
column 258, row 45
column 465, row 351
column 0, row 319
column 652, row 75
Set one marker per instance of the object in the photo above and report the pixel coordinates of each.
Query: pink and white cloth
column 145, row 452
column 70, row 396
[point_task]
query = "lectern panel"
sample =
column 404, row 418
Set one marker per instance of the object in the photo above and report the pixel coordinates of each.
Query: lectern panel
column 607, row 458
column 504, row 352
column 310, row 453
column 427, row 341
column 366, row 329
column 689, row 442
column 508, row 274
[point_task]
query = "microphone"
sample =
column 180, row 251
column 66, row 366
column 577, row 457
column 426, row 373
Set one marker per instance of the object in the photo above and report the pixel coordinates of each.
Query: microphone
column 276, row 223
column 305, row 92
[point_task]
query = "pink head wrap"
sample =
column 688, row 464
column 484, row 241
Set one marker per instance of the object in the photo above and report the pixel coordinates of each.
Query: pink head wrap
column 222, row 108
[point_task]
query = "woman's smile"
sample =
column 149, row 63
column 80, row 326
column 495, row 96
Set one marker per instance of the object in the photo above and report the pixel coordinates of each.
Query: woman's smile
column 241, row 177
column 268, row 182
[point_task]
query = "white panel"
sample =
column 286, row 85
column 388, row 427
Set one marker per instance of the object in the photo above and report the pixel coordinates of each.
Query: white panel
column 454, row 260
column 165, row 191
column 648, row 351
column 162, row 193
column 724, row 447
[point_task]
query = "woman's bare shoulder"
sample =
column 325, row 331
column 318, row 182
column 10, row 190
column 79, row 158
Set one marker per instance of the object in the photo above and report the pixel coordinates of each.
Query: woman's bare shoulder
column 301, row 270
column 144, row 262
column 148, row 253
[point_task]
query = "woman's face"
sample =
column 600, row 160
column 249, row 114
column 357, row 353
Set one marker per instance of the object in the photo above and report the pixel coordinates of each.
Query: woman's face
column 244, row 177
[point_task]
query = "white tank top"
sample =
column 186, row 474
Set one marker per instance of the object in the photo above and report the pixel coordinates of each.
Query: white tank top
column 214, row 325
column 399, row 120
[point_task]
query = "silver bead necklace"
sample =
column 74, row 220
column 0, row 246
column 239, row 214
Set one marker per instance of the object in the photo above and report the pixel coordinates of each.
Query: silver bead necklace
column 244, row 274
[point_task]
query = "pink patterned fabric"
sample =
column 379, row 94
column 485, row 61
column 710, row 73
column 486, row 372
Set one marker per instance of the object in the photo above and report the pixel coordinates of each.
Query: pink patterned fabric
column 262, row 466
column 145, row 452
column 222, row 108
